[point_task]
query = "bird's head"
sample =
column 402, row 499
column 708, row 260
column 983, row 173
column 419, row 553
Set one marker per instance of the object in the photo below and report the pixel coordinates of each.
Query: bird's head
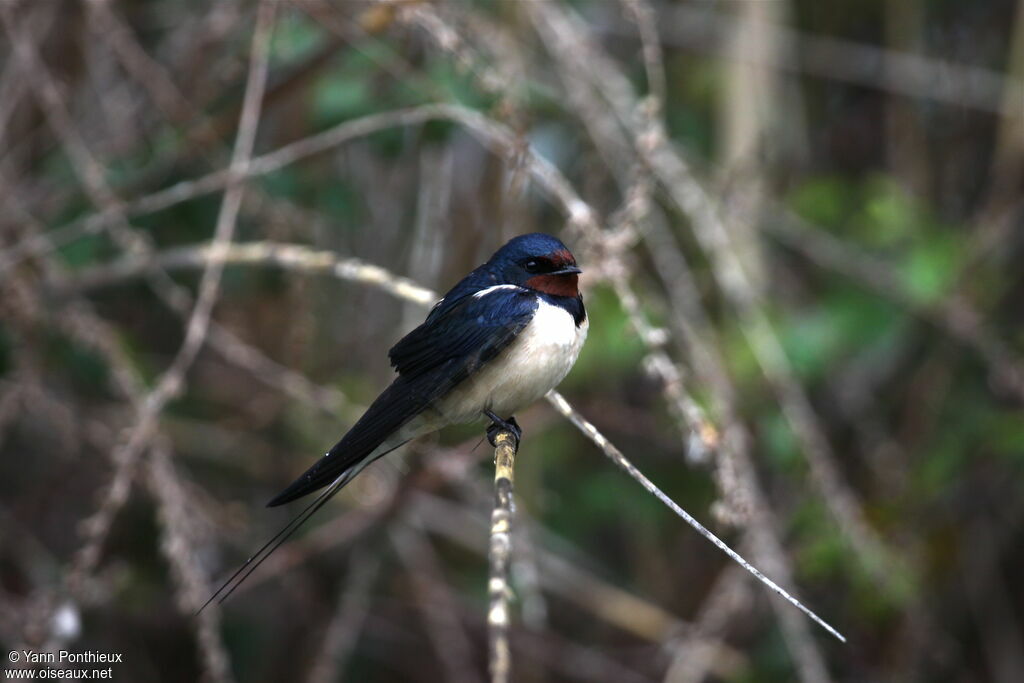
column 539, row 262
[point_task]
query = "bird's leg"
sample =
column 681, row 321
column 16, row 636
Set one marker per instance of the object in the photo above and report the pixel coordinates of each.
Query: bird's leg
column 497, row 425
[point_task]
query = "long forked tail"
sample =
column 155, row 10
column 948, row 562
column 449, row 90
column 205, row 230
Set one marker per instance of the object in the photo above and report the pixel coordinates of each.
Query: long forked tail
column 268, row 548
column 380, row 426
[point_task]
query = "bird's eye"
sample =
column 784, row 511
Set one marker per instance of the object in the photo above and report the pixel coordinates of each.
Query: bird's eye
column 531, row 266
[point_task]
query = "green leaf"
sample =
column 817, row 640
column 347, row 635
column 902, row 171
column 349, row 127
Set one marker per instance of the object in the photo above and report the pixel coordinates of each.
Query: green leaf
column 932, row 267
column 826, row 201
column 890, row 216
column 338, row 97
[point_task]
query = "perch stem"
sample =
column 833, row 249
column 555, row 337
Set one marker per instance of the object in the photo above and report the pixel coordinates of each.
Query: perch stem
column 498, row 589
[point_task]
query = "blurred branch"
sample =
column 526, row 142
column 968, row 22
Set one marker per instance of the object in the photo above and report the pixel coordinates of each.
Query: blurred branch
column 437, row 603
column 91, row 174
column 714, row 236
column 1007, row 164
column 953, row 315
column 178, row 548
column 749, row 303
column 494, row 135
column 80, row 320
column 171, row 380
column 342, row 634
column 591, row 432
column 153, row 76
column 693, row 27
column 568, row 579
column 198, row 324
column 287, row 256
column 498, row 588
column 743, row 500
column 559, row 576
column 646, row 20
column 14, row 87
column 695, row 428
column 146, row 71
column 694, row 657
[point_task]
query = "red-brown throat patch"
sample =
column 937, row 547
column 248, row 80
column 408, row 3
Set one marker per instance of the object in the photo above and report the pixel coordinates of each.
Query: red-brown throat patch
column 555, row 285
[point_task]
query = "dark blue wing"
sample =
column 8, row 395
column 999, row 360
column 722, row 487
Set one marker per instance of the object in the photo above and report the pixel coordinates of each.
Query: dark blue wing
column 468, row 332
column 455, row 340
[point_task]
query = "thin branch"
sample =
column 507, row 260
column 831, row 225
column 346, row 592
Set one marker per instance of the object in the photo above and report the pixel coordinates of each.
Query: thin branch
column 178, row 548
column 714, row 237
column 693, row 658
column 92, row 176
column 495, row 135
column 691, row 26
column 294, row 257
column 609, row 449
column 438, row 604
column 172, row 380
column 498, row 589
column 342, row 634
column 953, row 314
column 625, row 611
column 646, row 20
column 743, row 499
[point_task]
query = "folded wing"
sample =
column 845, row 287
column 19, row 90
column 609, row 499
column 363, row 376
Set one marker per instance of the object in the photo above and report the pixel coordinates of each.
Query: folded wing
column 457, row 338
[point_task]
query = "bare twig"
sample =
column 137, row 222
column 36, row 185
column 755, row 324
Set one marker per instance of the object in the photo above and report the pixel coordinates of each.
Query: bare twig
column 493, row 134
column 953, row 314
column 654, row 64
column 694, row 658
column 91, row 173
column 609, row 449
column 715, row 238
column 698, row 432
column 693, row 26
column 172, row 380
column 288, row 256
column 559, row 576
column 437, row 603
column 343, row 630
column 743, row 499
column 568, row 579
column 179, row 549
column 498, row 588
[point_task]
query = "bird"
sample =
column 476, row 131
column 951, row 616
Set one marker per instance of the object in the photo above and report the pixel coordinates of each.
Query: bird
column 504, row 336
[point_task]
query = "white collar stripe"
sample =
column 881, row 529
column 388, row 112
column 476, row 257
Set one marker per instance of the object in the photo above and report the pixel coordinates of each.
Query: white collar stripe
column 495, row 288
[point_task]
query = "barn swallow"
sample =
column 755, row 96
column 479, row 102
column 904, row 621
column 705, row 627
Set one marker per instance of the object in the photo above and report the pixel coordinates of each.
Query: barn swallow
column 500, row 339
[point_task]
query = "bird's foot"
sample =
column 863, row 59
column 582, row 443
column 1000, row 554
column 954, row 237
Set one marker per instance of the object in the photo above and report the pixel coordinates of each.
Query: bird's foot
column 498, row 425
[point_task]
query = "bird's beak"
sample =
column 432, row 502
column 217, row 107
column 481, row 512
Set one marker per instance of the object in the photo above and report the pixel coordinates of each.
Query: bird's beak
column 568, row 270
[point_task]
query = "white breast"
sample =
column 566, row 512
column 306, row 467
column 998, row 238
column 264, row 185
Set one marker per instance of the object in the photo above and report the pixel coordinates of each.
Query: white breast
column 539, row 358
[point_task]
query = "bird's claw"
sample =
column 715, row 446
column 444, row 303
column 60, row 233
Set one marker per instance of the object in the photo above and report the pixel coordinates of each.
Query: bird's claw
column 498, row 425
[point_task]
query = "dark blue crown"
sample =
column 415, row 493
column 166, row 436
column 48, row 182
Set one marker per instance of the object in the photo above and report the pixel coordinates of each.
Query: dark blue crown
column 525, row 246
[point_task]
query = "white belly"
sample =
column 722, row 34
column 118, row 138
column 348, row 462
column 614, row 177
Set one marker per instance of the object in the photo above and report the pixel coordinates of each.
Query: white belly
column 532, row 365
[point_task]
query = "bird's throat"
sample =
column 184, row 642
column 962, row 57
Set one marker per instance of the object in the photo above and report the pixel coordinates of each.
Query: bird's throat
column 555, row 285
